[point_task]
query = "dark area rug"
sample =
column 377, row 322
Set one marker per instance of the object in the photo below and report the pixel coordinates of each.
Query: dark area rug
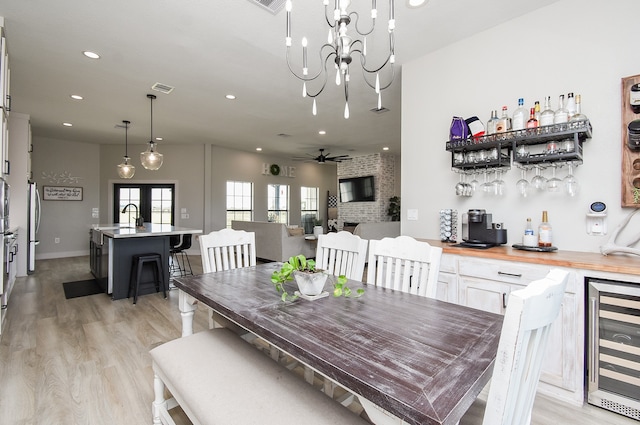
column 81, row 288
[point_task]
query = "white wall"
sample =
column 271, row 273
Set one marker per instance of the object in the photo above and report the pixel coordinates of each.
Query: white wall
column 584, row 47
column 199, row 172
column 67, row 220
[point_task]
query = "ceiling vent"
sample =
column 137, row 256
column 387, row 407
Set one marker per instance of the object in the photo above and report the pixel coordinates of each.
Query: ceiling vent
column 379, row 111
column 162, row 88
column 273, row 6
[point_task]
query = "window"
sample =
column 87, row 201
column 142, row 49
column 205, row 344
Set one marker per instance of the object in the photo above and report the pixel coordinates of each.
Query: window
column 239, row 201
column 278, row 203
column 153, row 202
column 308, row 207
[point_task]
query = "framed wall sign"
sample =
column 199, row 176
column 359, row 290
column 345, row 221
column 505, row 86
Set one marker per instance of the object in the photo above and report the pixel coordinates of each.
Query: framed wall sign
column 62, row 193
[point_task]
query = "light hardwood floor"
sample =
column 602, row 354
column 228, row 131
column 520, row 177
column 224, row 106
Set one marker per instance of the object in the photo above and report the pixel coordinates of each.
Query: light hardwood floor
column 85, row 360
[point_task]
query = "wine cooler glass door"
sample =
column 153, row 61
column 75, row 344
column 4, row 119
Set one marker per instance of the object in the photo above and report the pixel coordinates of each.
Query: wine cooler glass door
column 614, row 346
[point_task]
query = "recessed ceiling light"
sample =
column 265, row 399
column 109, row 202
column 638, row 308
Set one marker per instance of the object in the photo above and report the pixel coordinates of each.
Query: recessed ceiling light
column 91, row 55
column 67, row 124
column 416, row 3
column 159, row 139
column 230, row 97
column 386, row 148
column 259, row 149
column 76, row 97
column 322, row 132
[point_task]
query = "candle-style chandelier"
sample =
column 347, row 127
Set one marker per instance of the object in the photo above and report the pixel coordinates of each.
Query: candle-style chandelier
column 341, row 47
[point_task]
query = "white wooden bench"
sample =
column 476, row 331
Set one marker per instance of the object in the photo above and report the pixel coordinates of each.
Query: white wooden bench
column 219, row 379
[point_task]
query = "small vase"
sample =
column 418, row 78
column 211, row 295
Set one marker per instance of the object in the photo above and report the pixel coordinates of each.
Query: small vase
column 317, row 231
column 310, row 283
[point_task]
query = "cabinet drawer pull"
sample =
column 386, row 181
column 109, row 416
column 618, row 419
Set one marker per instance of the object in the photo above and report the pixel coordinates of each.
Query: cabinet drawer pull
column 509, row 274
column 504, row 300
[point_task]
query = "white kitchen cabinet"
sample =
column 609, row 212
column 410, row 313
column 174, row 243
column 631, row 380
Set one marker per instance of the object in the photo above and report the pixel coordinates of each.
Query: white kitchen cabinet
column 485, row 284
column 448, row 279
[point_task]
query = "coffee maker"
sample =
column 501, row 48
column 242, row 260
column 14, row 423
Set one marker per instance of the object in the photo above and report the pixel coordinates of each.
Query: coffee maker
column 478, row 230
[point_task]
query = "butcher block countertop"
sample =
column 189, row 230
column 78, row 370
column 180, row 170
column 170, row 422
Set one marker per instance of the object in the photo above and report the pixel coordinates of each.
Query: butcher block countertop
column 618, row 263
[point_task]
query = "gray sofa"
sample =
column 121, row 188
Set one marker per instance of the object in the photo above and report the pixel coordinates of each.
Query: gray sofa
column 376, row 231
column 273, row 241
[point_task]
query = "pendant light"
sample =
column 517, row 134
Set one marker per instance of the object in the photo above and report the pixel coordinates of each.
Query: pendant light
column 151, row 159
column 126, row 170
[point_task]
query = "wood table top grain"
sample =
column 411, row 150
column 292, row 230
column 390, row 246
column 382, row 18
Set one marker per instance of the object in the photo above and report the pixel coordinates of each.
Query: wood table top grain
column 423, row 360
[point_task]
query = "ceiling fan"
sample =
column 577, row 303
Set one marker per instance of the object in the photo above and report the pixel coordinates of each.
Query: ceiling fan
column 322, row 158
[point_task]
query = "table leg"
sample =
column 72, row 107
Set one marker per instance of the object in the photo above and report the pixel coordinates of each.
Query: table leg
column 187, row 305
column 378, row 415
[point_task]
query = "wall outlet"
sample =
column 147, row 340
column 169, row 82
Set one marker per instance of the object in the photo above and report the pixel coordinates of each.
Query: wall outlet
column 57, row 240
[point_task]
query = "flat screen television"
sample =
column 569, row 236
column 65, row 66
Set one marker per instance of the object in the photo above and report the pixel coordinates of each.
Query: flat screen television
column 357, row 189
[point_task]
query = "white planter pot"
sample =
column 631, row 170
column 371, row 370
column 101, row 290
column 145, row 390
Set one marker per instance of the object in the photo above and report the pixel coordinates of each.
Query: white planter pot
column 310, row 283
column 317, row 230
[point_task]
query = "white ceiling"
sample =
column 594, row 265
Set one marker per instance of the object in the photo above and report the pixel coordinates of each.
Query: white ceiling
column 206, row 49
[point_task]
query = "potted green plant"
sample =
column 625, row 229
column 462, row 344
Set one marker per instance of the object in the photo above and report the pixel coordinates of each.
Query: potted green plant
column 317, row 227
column 394, row 208
column 311, row 281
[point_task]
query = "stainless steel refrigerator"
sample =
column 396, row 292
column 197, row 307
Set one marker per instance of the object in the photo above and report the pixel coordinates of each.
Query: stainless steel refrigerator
column 33, row 226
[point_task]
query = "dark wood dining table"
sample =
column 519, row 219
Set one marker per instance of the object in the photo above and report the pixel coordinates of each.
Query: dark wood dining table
column 409, row 359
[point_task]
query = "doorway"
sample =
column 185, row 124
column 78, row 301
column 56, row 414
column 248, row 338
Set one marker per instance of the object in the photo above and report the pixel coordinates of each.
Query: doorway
column 155, row 203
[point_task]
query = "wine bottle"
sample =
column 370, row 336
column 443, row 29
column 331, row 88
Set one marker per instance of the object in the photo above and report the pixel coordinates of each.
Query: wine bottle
column 546, row 116
column 578, row 116
column 504, row 123
column 536, row 107
column 492, row 123
column 519, row 120
column 561, row 115
column 529, row 229
column 544, row 231
column 533, row 122
column 571, row 105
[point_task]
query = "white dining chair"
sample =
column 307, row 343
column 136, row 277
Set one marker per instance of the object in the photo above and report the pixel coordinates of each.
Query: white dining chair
column 527, row 321
column 224, row 250
column 227, row 249
column 342, row 253
column 404, row 264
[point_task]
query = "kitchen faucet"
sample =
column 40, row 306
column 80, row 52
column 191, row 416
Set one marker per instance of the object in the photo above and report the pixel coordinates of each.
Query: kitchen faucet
column 139, row 219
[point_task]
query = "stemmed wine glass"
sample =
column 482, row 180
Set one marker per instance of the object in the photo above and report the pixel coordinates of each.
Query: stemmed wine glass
column 499, row 184
column 571, row 186
column 474, row 183
column 539, row 181
column 554, row 184
column 487, row 186
column 460, row 186
column 523, row 184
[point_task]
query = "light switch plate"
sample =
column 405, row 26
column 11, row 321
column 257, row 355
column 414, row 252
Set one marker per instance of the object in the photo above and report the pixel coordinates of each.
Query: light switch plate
column 412, row 215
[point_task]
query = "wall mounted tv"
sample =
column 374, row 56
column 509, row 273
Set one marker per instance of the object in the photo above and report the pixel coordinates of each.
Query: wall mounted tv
column 357, row 189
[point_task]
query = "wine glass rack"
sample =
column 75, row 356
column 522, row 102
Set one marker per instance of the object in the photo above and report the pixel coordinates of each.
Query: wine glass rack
column 531, row 146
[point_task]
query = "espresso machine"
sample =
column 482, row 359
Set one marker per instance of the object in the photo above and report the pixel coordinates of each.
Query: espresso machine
column 478, row 230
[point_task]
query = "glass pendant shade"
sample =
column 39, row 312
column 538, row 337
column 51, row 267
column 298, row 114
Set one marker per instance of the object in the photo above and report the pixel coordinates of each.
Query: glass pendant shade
column 126, row 170
column 151, row 159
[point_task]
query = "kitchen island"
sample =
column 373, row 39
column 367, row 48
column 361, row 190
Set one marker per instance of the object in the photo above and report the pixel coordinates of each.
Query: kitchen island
column 114, row 245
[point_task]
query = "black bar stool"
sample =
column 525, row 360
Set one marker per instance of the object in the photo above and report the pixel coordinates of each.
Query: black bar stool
column 137, row 265
column 180, row 264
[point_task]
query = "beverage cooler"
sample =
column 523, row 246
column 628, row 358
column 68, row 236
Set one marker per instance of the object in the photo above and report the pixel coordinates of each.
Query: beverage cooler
column 613, row 346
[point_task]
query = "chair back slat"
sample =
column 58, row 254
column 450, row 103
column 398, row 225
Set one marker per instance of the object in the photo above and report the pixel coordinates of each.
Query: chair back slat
column 404, row 264
column 227, row 249
column 342, row 253
column 525, row 333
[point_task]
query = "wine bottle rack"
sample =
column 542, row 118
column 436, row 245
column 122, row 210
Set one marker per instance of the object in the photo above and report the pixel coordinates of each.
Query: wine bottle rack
column 510, row 146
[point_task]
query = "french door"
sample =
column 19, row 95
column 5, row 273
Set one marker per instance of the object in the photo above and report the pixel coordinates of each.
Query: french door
column 154, row 202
